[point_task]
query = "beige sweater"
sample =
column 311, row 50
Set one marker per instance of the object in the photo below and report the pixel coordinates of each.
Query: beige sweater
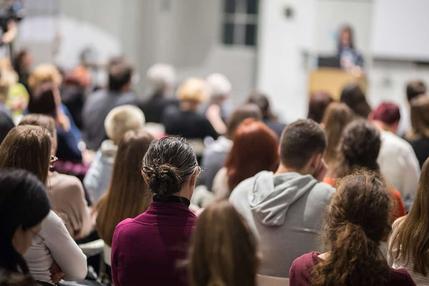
column 67, row 198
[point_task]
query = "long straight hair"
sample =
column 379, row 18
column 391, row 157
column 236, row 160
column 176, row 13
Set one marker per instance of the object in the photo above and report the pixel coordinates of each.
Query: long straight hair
column 334, row 121
column 28, row 148
column 128, row 194
column 411, row 241
column 223, row 249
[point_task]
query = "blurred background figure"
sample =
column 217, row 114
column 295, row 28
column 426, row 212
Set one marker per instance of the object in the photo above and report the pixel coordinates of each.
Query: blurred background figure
column 268, row 117
column 97, row 106
column 350, row 58
column 217, row 109
column 317, row 105
column 161, row 79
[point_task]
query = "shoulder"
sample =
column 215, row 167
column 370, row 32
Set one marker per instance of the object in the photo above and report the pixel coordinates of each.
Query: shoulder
column 300, row 270
column 400, row 277
column 240, row 193
column 65, row 183
column 52, row 224
column 324, row 189
column 393, row 141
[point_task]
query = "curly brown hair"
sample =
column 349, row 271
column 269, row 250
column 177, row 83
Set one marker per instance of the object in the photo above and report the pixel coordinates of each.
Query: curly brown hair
column 356, row 222
column 359, row 148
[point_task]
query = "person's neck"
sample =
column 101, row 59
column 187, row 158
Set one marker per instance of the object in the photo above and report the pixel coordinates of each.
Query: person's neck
column 188, row 106
column 184, row 193
column 286, row 169
column 383, row 126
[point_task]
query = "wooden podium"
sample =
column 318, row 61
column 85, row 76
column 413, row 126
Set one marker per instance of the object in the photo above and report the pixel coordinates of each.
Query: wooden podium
column 332, row 81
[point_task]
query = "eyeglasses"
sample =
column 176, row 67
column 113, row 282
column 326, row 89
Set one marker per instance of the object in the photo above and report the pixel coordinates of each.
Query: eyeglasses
column 53, row 159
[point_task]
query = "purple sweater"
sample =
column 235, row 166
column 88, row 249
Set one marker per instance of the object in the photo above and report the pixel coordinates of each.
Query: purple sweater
column 149, row 249
column 300, row 272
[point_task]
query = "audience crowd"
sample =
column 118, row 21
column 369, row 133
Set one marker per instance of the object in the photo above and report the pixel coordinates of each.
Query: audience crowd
column 97, row 171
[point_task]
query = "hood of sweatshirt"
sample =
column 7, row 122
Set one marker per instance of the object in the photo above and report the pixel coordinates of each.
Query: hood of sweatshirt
column 272, row 195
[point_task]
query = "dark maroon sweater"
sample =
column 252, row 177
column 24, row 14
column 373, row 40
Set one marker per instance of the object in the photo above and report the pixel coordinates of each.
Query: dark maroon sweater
column 151, row 248
column 300, row 272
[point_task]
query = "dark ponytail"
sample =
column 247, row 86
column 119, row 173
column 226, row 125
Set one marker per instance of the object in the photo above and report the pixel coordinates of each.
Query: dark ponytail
column 356, row 222
column 167, row 164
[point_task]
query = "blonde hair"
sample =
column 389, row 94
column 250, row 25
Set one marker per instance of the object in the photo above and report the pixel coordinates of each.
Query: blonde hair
column 122, row 119
column 193, row 89
column 44, row 73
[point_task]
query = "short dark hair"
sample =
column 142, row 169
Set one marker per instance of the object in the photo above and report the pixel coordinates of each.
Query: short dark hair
column 414, row 89
column 319, row 102
column 301, row 140
column 42, row 100
column 120, row 73
column 354, row 97
column 23, row 203
column 167, row 164
column 359, row 148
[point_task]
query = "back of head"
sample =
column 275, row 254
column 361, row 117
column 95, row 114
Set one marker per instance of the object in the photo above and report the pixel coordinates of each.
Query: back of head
column 414, row 89
column 28, row 148
column 300, row 141
column 243, row 112
column 335, row 120
column 411, row 238
column 168, row 163
column 128, row 193
column 161, row 76
column 254, row 149
column 359, row 148
column 420, row 116
column 122, row 119
column 120, row 73
column 43, row 100
column 353, row 96
column 317, row 105
column 223, row 250
column 219, row 85
column 44, row 73
column 356, row 222
column 387, row 113
column 40, row 120
column 261, row 100
column 23, row 203
column 193, row 90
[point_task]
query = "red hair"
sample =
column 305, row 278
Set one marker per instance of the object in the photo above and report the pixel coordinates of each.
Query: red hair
column 254, row 149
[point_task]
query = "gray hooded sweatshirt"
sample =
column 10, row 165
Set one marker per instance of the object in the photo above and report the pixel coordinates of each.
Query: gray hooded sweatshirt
column 285, row 212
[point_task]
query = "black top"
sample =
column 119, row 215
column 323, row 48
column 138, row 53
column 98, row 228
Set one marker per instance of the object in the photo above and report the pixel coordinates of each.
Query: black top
column 421, row 148
column 188, row 124
column 154, row 107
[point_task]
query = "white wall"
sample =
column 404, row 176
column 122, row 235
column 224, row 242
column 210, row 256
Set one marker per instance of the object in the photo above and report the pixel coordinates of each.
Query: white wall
column 282, row 65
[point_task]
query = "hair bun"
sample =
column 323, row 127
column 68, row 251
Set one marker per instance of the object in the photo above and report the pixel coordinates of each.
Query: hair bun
column 163, row 180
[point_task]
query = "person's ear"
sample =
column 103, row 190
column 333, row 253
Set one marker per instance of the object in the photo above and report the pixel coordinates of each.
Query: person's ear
column 315, row 160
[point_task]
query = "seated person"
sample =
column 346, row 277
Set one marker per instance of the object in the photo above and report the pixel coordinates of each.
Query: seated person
column 185, row 120
column 161, row 79
column 119, row 120
column 285, row 209
column 358, row 220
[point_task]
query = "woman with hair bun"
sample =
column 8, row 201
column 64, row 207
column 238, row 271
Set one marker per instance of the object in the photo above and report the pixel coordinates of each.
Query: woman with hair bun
column 150, row 249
